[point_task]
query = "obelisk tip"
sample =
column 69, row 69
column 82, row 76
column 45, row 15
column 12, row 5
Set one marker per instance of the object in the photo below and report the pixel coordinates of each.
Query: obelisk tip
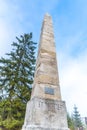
column 47, row 14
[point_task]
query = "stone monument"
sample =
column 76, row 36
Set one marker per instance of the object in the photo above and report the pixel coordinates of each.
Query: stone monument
column 46, row 110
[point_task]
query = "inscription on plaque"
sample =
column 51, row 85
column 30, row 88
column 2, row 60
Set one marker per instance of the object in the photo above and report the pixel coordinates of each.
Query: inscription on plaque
column 49, row 90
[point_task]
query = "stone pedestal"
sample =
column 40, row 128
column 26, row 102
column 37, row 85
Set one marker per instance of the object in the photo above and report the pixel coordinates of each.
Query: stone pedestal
column 45, row 114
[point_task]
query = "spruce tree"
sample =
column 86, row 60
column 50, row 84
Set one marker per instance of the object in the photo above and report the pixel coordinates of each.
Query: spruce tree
column 17, row 70
column 16, row 78
column 77, row 118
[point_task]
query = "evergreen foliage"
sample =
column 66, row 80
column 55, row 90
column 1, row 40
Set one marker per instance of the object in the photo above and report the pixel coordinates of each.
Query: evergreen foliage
column 70, row 122
column 16, row 78
column 77, row 118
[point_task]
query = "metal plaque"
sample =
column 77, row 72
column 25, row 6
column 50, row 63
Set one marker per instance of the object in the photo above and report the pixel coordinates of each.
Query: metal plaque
column 49, row 90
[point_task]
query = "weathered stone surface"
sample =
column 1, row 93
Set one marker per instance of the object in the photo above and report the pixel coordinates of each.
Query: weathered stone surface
column 39, row 88
column 46, row 110
column 45, row 114
column 46, row 68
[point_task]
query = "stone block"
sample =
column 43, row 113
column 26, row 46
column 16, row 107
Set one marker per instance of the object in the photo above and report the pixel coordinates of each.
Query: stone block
column 45, row 114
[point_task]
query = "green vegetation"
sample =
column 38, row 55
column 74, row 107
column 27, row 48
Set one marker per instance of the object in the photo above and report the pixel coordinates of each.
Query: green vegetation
column 74, row 121
column 77, row 118
column 70, row 121
column 16, row 78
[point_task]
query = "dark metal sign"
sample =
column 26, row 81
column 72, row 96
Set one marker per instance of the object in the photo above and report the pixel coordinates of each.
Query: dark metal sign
column 49, row 90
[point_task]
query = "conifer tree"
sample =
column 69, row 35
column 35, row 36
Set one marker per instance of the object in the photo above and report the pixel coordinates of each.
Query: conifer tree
column 17, row 70
column 77, row 118
column 16, row 78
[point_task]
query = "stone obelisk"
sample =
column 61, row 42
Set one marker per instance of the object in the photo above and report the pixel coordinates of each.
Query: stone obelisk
column 46, row 110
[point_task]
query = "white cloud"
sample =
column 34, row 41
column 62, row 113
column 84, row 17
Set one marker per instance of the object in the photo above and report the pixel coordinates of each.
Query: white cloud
column 16, row 18
column 73, row 81
column 10, row 27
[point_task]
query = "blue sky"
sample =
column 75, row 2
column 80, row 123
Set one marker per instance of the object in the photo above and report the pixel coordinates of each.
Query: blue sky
column 70, row 28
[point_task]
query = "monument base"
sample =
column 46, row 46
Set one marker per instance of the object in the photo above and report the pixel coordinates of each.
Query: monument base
column 45, row 114
column 42, row 128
